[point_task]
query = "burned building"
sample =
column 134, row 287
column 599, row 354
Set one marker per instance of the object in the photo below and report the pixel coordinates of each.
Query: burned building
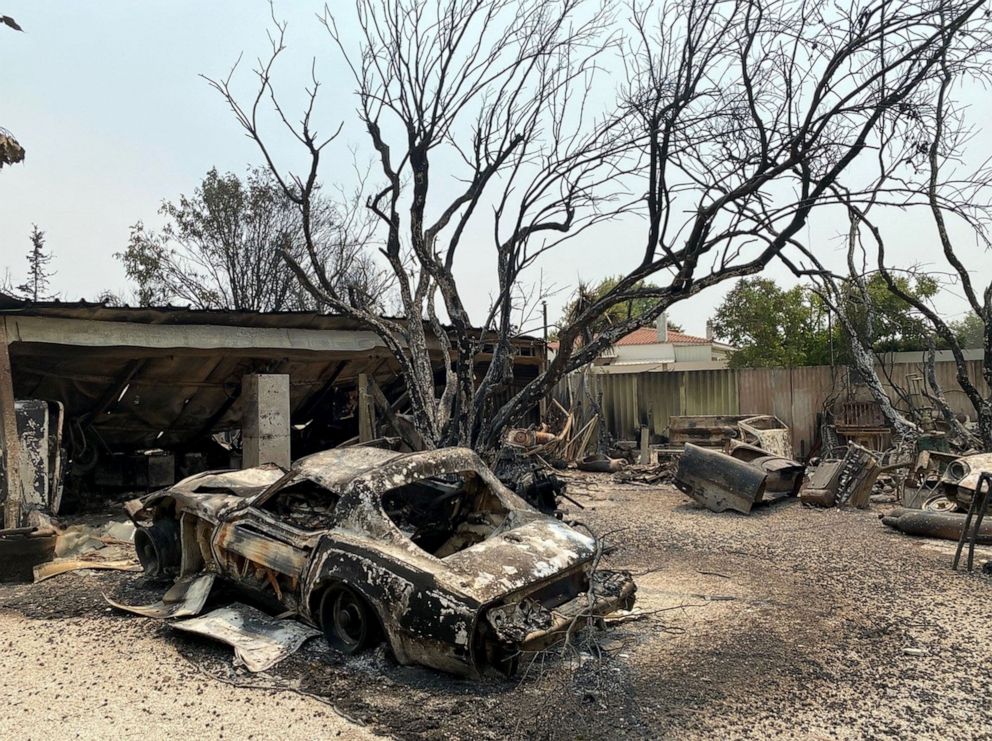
column 151, row 395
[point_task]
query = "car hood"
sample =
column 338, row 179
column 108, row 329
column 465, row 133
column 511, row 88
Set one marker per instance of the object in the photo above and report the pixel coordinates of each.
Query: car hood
column 528, row 554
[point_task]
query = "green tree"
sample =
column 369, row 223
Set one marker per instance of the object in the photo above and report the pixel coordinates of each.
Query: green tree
column 36, row 285
column 770, row 326
column 970, row 332
column 891, row 325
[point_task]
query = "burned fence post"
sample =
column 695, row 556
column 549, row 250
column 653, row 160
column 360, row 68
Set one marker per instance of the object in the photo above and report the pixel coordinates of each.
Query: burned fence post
column 265, row 419
column 8, row 437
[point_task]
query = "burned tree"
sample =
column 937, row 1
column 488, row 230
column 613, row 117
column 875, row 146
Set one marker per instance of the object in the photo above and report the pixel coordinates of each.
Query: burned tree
column 221, row 248
column 911, row 174
column 733, row 123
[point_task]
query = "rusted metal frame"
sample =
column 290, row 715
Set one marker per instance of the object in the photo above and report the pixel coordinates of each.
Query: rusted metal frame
column 8, row 436
column 976, row 512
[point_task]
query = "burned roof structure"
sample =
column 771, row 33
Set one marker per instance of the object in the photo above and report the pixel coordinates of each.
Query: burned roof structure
column 165, row 377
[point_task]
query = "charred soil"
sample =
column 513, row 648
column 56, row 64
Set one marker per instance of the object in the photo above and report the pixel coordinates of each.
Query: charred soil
column 790, row 622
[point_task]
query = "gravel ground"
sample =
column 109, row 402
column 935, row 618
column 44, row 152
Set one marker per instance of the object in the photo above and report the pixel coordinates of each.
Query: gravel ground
column 788, row 623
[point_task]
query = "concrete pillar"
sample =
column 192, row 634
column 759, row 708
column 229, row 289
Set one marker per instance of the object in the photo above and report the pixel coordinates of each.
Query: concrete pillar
column 265, row 419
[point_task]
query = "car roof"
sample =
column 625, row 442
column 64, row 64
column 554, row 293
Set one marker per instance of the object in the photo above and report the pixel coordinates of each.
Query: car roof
column 336, row 468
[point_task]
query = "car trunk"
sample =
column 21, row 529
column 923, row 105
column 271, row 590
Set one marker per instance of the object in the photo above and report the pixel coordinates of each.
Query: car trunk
column 527, row 555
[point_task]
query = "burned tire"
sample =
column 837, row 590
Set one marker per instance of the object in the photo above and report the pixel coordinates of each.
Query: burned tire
column 158, row 547
column 350, row 624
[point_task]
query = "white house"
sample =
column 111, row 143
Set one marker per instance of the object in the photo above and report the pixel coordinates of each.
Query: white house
column 658, row 348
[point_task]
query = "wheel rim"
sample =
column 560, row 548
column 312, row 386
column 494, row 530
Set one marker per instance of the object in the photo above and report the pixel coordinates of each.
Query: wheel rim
column 345, row 619
column 940, row 504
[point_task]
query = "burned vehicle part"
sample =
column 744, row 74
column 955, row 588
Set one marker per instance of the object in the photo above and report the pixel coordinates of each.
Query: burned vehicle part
column 961, row 476
column 21, row 549
column 942, row 525
column 784, row 476
column 259, row 641
column 846, row 482
column 428, row 550
column 530, row 480
column 768, row 433
column 737, row 481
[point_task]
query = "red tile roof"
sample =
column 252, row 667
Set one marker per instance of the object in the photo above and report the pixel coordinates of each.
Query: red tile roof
column 649, row 336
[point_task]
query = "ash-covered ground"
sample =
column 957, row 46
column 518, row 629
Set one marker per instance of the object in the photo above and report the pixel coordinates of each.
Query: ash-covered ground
column 790, row 622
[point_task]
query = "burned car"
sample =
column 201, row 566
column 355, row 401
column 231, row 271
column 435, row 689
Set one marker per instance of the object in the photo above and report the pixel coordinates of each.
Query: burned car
column 960, row 479
column 428, row 551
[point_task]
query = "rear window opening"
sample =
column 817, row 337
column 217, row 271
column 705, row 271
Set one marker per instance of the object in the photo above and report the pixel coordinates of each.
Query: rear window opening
column 305, row 505
column 445, row 514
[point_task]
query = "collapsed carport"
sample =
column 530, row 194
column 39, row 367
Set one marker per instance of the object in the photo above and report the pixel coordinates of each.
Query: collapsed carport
column 168, row 378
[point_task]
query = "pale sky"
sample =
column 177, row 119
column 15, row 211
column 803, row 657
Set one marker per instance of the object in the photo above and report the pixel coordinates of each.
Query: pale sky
column 107, row 101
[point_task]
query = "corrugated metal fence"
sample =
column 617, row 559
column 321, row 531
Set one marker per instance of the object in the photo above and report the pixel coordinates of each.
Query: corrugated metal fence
column 794, row 395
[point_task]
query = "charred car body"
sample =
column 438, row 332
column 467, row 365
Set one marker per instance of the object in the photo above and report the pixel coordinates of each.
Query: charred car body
column 428, row 550
column 960, row 480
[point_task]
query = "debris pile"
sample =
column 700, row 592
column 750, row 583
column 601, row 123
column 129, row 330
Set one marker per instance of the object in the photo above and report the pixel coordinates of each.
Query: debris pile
column 657, row 474
column 556, row 441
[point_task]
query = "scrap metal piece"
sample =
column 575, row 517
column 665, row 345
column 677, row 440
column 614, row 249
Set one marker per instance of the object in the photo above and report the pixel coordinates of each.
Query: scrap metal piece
column 64, row 566
column 783, row 475
column 718, row 481
column 259, row 641
column 972, row 528
column 39, row 427
column 943, row 525
column 768, row 433
column 960, row 479
column 843, row 483
column 185, row 598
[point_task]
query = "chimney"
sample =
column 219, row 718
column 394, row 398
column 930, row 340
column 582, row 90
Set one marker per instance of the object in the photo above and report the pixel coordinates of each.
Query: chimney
column 709, row 329
column 662, row 324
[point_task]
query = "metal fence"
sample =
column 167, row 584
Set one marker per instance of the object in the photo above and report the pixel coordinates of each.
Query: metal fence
column 794, row 395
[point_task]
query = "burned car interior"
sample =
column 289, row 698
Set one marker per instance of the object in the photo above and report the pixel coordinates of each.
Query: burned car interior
column 302, row 503
column 445, row 514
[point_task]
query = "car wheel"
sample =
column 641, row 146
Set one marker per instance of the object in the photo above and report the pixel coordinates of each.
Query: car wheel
column 940, row 503
column 158, row 547
column 350, row 625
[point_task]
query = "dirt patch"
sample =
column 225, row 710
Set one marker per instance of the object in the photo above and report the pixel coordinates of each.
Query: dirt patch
column 790, row 622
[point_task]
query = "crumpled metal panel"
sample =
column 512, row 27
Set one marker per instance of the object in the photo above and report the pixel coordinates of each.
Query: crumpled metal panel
column 260, row 641
column 185, row 598
column 718, row 481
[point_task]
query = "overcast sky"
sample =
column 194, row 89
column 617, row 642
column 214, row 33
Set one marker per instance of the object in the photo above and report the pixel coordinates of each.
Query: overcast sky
column 107, row 101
